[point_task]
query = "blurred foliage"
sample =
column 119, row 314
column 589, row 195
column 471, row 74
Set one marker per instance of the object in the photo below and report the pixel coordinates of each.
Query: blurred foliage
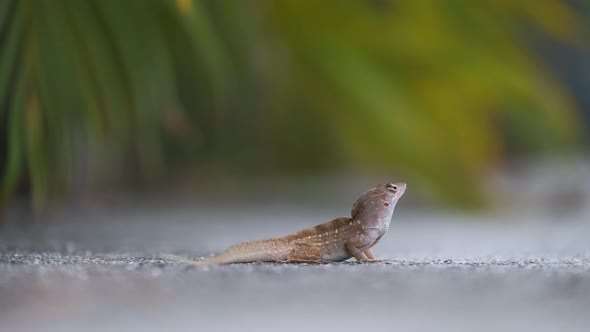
column 98, row 91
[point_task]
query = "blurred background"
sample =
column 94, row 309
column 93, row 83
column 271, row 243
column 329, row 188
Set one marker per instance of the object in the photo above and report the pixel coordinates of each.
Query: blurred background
column 134, row 128
column 141, row 97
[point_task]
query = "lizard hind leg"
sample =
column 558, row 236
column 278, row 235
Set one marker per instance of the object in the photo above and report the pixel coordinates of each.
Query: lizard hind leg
column 304, row 253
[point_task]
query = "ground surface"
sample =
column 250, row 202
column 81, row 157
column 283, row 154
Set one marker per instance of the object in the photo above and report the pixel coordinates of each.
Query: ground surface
column 448, row 273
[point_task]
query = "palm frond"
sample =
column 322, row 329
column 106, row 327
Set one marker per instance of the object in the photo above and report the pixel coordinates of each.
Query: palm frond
column 432, row 90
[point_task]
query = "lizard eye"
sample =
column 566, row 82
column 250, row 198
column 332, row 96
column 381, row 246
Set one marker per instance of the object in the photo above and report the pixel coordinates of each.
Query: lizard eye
column 391, row 187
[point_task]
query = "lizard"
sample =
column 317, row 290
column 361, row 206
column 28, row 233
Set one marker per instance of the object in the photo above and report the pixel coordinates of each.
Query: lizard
column 333, row 241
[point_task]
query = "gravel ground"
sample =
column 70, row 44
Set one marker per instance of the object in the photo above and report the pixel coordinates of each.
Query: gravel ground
column 447, row 273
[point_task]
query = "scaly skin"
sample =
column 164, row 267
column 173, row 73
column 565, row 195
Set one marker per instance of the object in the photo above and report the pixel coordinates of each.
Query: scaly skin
column 334, row 241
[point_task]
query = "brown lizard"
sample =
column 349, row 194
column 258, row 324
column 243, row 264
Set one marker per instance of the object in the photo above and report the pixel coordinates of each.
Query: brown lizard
column 334, row 241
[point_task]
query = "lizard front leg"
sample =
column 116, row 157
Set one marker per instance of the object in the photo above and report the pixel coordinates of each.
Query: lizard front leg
column 369, row 254
column 364, row 239
column 355, row 252
column 372, row 258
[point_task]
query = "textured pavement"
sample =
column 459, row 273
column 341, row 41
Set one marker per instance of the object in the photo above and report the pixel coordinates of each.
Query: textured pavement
column 447, row 273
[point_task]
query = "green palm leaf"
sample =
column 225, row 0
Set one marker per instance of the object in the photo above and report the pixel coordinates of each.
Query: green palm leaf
column 104, row 90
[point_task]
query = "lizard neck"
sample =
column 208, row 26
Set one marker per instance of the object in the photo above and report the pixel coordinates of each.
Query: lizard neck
column 379, row 219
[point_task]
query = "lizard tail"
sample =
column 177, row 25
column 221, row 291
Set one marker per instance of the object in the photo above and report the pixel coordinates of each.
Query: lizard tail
column 269, row 250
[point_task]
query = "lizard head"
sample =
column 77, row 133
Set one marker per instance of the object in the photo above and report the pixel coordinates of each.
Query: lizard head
column 378, row 203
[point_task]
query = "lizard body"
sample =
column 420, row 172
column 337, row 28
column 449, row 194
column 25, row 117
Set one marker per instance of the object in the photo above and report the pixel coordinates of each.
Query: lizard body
column 334, row 241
